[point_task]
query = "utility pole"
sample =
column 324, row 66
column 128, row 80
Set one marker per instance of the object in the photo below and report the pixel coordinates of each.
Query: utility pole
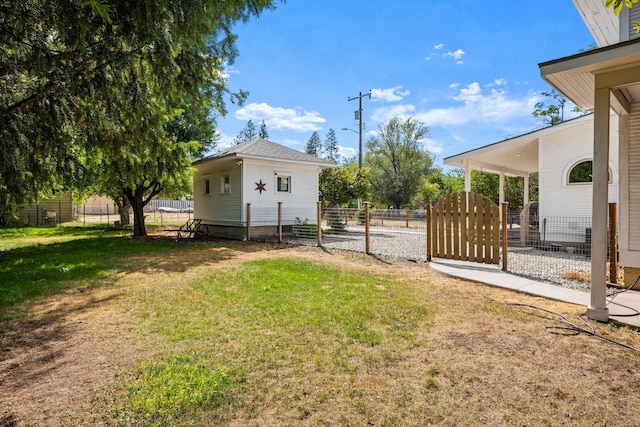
column 359, row 119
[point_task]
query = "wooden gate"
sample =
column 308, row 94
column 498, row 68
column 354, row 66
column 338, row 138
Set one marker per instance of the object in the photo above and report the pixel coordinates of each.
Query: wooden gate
column 464, row 226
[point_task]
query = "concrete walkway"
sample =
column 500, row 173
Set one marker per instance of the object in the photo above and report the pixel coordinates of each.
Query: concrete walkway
column 625, row 307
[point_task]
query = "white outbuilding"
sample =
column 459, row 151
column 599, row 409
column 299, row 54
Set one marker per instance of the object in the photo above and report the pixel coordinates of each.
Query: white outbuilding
column 248, row 187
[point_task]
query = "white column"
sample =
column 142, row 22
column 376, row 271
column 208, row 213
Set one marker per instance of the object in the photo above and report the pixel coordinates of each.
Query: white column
column 467, row 175
column 525, row 198
column 597, row 309
column 501, row 191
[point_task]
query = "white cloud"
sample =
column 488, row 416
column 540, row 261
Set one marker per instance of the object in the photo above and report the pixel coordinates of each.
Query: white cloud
column 470, row 104
column 226, row 141
column 391, row 94
column 432, row 146
column 384, row 114
column 281, row 118
column 293, row 143
column 432, row 54
column 347, row 152
column 471, row 93
column 477, row 106
column 498, row 82
column 456, row 54
column 454, row 85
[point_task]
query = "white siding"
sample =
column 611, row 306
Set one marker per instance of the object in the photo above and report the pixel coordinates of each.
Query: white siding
column 558, row 153
column 634, row 15
column 300, row 202
column 218, row 207
column 633, row 178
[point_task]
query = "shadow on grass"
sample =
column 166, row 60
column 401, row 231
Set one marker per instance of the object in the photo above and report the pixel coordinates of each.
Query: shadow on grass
column 45, row 269
column 36, row 339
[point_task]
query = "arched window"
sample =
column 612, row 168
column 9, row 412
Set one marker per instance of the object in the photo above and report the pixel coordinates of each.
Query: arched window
column 582, row 172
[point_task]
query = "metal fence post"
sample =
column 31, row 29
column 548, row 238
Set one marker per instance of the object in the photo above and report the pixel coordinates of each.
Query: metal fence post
column 248, row 221
column 279, row 222
column 504, row 236
column 366, row 229
column 319, row 222
column 406, row 217
column 613, row 249
column 428, row 232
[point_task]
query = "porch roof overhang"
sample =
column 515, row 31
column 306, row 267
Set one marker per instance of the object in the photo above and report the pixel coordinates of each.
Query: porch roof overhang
column 575, row 76
column 514, row 156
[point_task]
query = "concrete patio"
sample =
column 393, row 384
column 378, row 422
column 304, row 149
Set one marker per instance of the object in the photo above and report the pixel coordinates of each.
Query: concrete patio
column 624, row 307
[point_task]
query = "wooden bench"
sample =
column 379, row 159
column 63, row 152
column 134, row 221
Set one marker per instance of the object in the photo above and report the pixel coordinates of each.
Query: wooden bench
column 193, row 228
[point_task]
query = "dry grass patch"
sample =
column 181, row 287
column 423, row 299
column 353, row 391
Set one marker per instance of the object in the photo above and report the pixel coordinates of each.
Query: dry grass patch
column 305, row 337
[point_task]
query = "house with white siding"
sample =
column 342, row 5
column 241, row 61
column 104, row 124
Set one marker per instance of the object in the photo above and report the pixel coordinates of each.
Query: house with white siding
column 245, row 184
column 607, row 80
column 557, row 153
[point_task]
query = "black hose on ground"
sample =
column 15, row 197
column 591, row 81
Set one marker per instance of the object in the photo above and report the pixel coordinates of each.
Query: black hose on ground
column 565, row 326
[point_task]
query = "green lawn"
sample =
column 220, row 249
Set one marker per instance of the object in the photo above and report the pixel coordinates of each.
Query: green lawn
column 243, row 333
column 37, row 261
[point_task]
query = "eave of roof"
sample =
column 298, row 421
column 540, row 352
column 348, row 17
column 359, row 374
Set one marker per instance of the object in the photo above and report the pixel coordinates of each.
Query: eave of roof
column 266, row 150
column 574, row 76
column 514, row 156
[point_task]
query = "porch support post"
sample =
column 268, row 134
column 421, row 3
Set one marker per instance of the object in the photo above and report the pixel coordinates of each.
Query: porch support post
column 501, row 191
column 597, row 309
column 467, row 175
column 525, row 198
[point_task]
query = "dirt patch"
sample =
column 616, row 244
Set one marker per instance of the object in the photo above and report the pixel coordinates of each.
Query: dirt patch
column 478, row 363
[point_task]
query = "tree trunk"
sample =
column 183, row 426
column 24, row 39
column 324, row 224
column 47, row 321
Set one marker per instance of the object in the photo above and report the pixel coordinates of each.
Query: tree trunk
column 137, row 205
column 123, row 210
column 125, row 217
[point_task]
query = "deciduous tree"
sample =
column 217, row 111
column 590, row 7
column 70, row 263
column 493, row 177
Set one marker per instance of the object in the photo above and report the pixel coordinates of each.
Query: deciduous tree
column 398, row 161
column 344, row 185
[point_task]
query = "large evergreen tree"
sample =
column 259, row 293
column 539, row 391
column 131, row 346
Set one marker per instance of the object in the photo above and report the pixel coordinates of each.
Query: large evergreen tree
column 264, row 133
column 314, row 145
column 103, row 78
column 247, row 133
column 331, row 147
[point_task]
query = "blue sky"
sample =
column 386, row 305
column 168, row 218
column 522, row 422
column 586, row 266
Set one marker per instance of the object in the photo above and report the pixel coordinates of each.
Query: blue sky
column 467, row 69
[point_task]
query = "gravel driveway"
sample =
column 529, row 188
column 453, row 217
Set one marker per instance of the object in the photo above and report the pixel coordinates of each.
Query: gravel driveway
column 410, row 243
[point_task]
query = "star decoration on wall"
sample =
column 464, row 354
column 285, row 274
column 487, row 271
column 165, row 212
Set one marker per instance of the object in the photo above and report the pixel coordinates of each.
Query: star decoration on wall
column 260, row 186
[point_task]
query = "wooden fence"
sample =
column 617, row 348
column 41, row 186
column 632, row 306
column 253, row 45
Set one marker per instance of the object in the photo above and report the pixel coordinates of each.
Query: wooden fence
column 465, row 226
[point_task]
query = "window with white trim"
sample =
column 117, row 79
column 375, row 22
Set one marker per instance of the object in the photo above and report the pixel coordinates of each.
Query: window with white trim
column 206, row 187
column 283, row 184
column 225, row 184
column 582, row 173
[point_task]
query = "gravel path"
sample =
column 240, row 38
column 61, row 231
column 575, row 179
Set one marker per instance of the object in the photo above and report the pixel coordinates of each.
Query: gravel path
column 557, row 268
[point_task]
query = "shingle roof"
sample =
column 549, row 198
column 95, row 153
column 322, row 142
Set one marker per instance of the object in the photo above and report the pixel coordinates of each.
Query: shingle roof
column 261, row 148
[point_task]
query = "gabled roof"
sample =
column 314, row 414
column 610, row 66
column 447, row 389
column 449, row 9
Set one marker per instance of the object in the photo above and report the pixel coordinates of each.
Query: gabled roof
column 514, row 156
column 266, row 150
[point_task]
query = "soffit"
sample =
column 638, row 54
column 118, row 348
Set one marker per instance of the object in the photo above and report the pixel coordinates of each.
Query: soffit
column 515, row 156
column 574, row 76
